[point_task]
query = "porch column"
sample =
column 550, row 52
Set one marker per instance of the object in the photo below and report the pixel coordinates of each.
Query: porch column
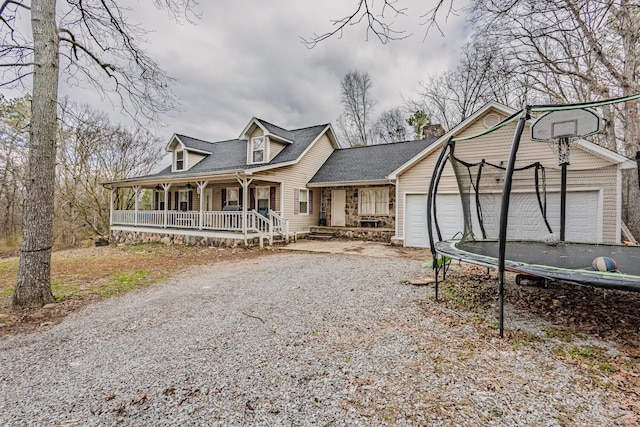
column 111, row 206
column 166, row 187
column 245, row 197
column 201, row 186
column 136, row 191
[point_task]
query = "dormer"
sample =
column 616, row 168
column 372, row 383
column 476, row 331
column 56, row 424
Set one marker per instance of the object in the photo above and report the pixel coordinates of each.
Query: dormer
column 186, row 152
column 264, row 141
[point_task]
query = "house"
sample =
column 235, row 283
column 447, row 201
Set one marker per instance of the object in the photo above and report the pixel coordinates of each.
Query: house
column 272, row 183
column 269, row 183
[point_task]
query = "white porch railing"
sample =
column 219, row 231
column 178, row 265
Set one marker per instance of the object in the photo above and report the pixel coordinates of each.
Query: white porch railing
column 279, row 224
column 211, row 220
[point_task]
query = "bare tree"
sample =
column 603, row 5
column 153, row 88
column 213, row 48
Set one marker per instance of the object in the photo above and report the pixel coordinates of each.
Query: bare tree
column 93, row 42
column 577, row 50
column 355, row 122
column 14, row 120
column 92, row 150
column 378, row 18
column 391, row 126
column 483, row 75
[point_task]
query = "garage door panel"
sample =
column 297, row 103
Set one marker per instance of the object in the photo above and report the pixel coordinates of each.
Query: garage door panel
column 583, row 222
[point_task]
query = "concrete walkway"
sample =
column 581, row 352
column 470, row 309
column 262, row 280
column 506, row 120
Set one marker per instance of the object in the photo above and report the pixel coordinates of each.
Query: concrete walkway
column 358, row 247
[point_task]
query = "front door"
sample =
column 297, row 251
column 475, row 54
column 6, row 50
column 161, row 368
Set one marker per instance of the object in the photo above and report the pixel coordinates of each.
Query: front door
column 338, row 205
column 208, row 199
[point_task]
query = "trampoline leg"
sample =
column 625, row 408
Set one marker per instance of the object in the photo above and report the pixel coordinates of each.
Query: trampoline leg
column 436, row 270
column 501, row 308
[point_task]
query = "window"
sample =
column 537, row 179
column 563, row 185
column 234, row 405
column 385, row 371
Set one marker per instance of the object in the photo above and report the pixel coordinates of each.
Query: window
column 233, row 197
column 160, row 200
column 373, row 201
column 257, row 150
column 262, row 196
column 179, row 160
column 303, row 200
column 184, row 200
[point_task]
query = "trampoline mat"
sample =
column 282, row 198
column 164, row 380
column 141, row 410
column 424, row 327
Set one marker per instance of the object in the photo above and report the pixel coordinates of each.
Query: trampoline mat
column 566, row 262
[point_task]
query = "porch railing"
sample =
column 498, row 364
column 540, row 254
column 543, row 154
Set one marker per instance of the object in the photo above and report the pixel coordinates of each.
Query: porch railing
column 210, row 220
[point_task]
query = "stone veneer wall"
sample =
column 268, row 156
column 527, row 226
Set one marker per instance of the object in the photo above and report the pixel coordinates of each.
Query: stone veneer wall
column 352, row 217
column 133, row 237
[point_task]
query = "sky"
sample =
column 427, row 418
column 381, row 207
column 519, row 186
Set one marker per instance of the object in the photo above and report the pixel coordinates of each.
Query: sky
column 244, row 58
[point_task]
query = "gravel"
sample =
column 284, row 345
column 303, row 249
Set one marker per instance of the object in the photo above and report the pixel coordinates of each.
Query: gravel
column 287, row 339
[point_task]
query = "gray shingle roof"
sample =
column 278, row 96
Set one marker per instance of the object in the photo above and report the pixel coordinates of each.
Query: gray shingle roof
column 231, row 155
column 194, row 143
column 368, row 163
column 277, row 130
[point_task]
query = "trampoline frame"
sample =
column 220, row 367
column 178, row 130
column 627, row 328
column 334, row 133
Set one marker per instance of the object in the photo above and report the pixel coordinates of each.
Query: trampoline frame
column 442, row 256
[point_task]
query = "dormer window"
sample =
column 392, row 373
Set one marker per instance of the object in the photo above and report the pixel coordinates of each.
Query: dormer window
column 257, row 149
column 179, row 160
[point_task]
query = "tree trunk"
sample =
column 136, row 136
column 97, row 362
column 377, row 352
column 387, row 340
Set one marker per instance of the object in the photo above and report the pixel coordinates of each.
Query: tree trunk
column 33, row 285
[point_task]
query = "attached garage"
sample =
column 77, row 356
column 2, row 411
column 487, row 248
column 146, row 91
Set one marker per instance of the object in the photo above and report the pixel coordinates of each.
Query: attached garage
column 583, row 222
column 593, row 188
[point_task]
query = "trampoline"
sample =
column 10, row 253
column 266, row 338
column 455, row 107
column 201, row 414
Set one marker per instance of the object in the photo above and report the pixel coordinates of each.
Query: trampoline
column 486, row 239
column 567, row 262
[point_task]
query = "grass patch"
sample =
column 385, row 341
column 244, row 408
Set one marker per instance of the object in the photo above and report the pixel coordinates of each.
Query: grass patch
column 122, row 282
column 472, row 295
column 564, row 335
column 522, row 339
column 79, row 276
column 589, row 356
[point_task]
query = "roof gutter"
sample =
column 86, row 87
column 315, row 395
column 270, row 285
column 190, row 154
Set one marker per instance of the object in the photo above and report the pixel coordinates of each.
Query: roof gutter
column 167, row 179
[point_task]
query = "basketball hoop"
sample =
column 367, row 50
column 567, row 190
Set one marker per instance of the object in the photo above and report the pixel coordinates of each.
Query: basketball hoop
column 559, row 127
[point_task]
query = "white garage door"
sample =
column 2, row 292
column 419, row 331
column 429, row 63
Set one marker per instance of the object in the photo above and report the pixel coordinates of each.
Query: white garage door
column 416, row 221
column 583, row 223
column 450, row 219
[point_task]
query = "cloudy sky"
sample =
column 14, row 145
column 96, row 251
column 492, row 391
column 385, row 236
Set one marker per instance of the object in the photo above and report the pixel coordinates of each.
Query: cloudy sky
column 244, row 58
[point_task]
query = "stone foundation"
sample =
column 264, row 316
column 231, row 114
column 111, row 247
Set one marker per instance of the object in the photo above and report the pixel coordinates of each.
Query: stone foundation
column 361, row 233
column 134, row 237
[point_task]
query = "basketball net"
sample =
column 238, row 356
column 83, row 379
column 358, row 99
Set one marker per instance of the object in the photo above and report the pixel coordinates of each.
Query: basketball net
column 562, row 147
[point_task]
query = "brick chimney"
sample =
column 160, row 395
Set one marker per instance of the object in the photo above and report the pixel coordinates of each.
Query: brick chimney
column 432, row 131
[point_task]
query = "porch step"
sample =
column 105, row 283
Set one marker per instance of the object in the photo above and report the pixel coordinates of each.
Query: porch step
column 323, row 236
column 320, row 233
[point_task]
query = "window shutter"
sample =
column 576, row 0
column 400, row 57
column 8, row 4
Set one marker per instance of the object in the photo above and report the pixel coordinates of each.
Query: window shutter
column 240, row 199
column 252, row 198
column 156, row 200
column 310, row 201
column 168, row 201
column 272, row 198
column 224, row 197
column 296, row 201
column 176, row 195
column 190, row 207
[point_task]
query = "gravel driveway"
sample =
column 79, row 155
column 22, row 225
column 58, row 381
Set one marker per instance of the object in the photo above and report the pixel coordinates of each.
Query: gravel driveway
column 286, row 339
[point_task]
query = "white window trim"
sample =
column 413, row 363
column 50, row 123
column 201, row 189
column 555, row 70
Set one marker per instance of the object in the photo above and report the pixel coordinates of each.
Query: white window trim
column 182, row 193
column 373, row 191
column 300, row 191
column 161, row 200
column 227, row 189
column 184, row 160
column 268, row 199
column 265, row 150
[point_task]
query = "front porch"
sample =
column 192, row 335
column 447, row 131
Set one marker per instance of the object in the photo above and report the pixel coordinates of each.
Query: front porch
column 219, row 227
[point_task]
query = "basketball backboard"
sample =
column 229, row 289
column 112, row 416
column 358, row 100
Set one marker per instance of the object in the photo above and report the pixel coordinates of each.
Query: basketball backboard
column 559, row 124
